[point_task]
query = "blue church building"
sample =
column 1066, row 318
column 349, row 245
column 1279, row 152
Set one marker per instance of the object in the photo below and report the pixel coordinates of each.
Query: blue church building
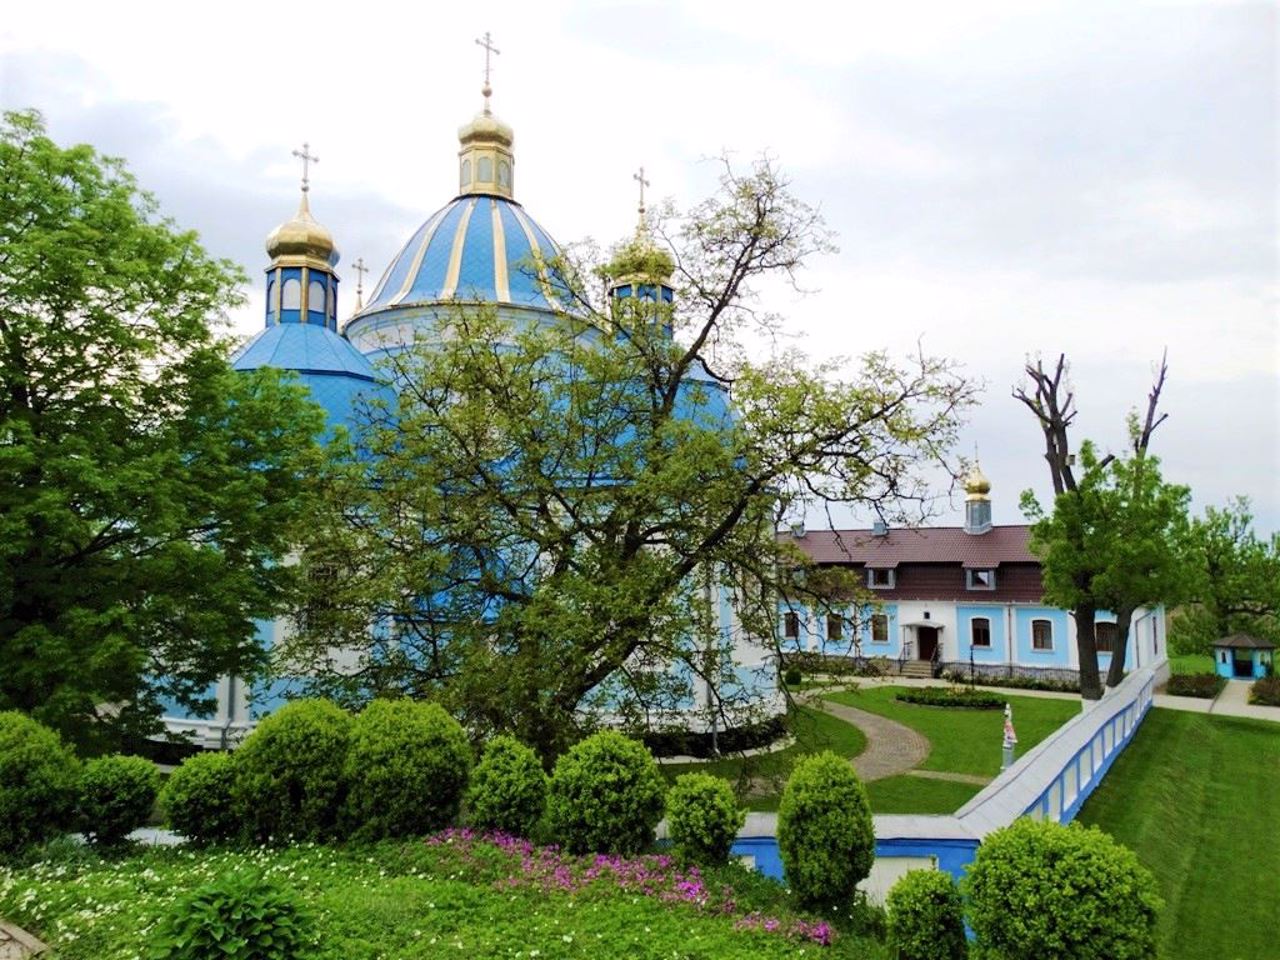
column 482, row 247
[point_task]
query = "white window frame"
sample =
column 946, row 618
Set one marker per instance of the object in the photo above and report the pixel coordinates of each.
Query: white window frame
column 890, row 578
column 1049, row 627
column 973, row 622
column 879, row 618
column 971, row 580
column 790, row 619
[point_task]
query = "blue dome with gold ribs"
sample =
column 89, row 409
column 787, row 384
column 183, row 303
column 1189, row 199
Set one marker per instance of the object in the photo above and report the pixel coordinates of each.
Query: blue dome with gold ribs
column 477, row 248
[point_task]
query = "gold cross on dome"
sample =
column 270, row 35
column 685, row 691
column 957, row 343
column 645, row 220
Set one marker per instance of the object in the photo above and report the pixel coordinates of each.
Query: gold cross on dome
column 489, row 49
column 360, row 270
column 639, row 178
column 307, row 158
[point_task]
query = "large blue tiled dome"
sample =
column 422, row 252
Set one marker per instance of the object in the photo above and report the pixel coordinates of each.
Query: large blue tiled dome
column 475, row 249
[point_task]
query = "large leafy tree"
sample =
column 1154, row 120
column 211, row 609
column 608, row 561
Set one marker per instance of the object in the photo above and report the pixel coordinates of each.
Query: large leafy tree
column 1235, row 581
column 537, row 532
column 1114, row 538
column 147, row 492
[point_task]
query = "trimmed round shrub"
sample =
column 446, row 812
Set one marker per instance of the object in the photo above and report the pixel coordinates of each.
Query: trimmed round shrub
column 825, row 834
column 288, row 780
column 704, row 817
column 792, row 677
column 406, row 769
column 241, row 916
column 116, row 796
column 508, row 789
column 196, row 799
column 38, row 779
column 1038, row 889
column 926, row 917
column 606, row 796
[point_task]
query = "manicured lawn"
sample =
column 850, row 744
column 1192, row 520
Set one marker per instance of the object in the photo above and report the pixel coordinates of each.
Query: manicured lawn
column 918, row 795
column 760, row 779
column 1195, row 797
column 1191, row 663
column 416, row 901
column 965, row 741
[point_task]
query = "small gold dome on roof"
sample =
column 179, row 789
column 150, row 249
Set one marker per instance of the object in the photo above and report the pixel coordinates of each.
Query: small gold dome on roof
column 486, row 128
column 976, row 484
column 302, row 241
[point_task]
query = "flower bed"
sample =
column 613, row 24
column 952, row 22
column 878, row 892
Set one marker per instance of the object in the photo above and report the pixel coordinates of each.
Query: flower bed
column 951, row 697
column 1204, row 685
column 1266, row 692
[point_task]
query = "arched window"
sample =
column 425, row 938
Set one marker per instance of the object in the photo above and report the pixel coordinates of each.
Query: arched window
column 466, row 174
column 315, row 297
column 271, row 297
column 484, row 170
column 291, row 294
column 504, row 173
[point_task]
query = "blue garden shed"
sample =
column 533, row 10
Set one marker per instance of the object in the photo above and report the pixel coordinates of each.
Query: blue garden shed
column 1242, row 657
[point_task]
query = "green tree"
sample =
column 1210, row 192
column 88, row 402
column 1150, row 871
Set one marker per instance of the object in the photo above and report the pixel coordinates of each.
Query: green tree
column 1235, row 581
column 536, row 532
column 147, row 493
column 1115, row 537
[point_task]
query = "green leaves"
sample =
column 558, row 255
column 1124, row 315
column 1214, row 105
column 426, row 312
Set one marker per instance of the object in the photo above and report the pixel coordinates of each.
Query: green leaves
column 147, row 492
column 242, row 916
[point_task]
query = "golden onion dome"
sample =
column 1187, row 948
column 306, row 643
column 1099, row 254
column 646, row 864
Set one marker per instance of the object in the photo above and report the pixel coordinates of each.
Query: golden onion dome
column 976, row 484
column 302, row 241
column 486, row 128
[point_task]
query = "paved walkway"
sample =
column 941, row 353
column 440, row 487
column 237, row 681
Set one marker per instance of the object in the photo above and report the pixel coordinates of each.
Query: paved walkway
column 892, row 748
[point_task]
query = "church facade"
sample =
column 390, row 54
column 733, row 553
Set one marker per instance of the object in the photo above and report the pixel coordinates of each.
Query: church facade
column 481, row 248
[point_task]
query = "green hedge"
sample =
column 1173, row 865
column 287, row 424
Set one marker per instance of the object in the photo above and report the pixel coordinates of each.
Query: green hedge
column 1266, row 692
column 406, row 768
column 116, row 797
column 1205, row 685
column 508, row 789
column 704, row 817
column 1037, row 889
column 926, row 917
column 39, row 776
column 197, row 798
column 289, row 772
column 951, row 697
column 825, row 834
column 606, row 796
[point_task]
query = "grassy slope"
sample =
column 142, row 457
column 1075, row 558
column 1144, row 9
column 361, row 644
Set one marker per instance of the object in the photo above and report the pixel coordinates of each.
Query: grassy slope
column 1196, row 796
column 813, row 731
column 917, row 795
column 966, row 741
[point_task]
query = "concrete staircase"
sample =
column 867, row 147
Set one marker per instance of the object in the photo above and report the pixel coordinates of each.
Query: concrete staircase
column 916, row 669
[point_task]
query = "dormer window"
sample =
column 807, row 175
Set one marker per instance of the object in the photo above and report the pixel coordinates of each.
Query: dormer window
column 980, row 579
column 880, row 578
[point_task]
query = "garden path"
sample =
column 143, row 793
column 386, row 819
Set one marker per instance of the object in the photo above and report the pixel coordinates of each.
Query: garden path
column 892, row 748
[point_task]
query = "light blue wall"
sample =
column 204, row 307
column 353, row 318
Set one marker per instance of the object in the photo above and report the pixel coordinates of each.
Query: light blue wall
column 1224, row 663
column 998, row 651
column 953, row 855
column 891, row 649
column 1059, row 656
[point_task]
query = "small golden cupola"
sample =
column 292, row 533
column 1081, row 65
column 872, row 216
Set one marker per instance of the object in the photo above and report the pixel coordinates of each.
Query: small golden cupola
column 640, row 271
column 301, row 284
column 486, row 163
column 977, row 500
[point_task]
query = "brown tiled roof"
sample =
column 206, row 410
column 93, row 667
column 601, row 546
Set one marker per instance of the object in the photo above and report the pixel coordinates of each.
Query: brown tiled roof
column 1004, row 544
column 1242, row 641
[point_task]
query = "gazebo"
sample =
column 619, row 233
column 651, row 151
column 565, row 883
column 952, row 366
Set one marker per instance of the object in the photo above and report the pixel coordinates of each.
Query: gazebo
column 1241, row 656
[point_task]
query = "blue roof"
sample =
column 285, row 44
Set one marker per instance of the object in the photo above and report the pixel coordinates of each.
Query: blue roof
column 306, row 348
column 474, row 249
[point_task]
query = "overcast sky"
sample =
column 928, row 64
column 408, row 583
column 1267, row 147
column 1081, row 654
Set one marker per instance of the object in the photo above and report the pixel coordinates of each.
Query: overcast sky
column 1004, row 179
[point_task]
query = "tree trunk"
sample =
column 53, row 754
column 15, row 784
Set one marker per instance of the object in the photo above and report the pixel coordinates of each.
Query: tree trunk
column 1116, row 672
column 1087, row 652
